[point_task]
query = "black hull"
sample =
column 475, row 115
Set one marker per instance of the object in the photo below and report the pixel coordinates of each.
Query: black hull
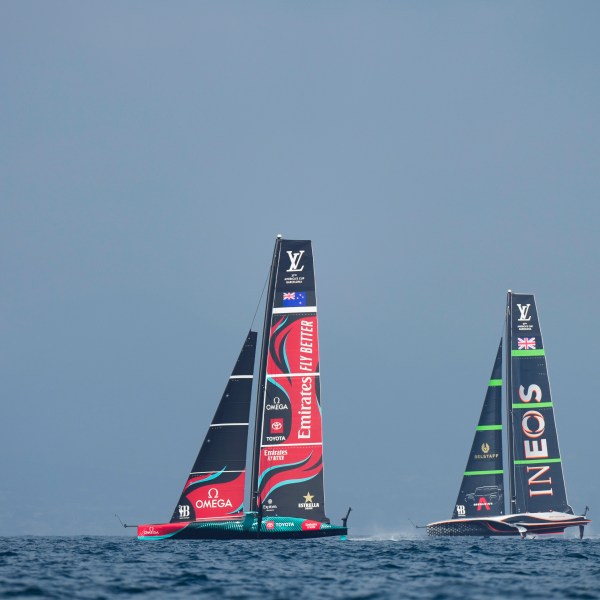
column 507, row 526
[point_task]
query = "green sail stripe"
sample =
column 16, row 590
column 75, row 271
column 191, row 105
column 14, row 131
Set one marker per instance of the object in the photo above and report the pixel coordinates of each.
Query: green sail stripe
column 528, row 353
column 469, row 473
column 534, row 405
column 488, row 427
column 495, row 383
column 537, row 461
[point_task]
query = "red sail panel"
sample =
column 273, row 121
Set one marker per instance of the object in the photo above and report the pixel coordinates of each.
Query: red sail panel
column 294, row 346
column 215, row 496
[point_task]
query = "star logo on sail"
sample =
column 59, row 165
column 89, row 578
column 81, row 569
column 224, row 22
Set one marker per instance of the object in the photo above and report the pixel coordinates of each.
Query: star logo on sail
column 294, row 298
column 526, row 343
column 308, row 503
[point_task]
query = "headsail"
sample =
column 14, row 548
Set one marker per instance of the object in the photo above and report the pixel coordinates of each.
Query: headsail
column 215, row 487
column 537, row 476
column 482, row 492
column 288, row 464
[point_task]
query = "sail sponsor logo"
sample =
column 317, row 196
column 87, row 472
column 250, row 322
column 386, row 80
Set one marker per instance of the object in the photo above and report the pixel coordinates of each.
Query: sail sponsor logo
column 276, row 426
column 184, row 511
column 269, row 506
column 533, row 391
column 483, row 503
column 213, row 500
column 523, row 323
column 295, row 268
column 524, row 310
column 295, row 259
column 485, row 448
column 275, row 455
column 461, row 510
column 533, row 426
column 277, row 405
column 306, row 345
column 486, row 495
column 537, row 472
column 305, row 411
column 308, row 503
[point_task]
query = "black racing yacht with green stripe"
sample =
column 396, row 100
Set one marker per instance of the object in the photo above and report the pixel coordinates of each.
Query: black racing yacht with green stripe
column 537, row 498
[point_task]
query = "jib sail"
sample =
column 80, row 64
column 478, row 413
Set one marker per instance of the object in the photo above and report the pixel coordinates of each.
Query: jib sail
column 215, row 487
column 288, row 462
column 481, row 492
column 537, row 483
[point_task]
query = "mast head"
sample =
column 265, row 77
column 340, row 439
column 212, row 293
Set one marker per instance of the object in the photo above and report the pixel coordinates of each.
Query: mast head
column 279, row 236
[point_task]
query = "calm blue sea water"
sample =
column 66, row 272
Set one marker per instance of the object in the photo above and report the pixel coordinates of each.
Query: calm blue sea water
column 105, row 567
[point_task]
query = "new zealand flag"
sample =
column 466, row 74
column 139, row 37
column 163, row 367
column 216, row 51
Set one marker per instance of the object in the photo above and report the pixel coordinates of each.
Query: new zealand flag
column 294, row 298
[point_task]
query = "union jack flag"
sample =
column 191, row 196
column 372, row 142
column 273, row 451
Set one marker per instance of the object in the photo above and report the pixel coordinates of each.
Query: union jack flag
column 526, row 343
column 289, row 296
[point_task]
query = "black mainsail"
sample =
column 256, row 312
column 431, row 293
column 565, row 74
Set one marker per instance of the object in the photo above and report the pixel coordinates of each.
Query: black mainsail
column 482, row 490
column 215, row 487
column 538, row 481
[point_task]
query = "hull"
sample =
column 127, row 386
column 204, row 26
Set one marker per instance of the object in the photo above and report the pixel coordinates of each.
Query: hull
column 508, row 525
column 275, row 528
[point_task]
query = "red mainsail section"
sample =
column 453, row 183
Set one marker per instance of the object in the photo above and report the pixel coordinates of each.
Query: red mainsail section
column 294, row 345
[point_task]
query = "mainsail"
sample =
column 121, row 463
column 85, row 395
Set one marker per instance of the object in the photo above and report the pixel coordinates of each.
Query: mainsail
column 481, row 492
column 215, row 487
column 537, row 481
column 288, row 451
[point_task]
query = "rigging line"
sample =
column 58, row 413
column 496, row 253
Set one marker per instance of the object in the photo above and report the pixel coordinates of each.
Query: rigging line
column 259, row 300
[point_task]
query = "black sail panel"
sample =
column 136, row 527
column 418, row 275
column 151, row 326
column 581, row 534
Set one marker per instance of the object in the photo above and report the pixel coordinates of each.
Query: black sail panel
column 539, row 484
column 215, row 486
column 482, row 492
column 288, row 472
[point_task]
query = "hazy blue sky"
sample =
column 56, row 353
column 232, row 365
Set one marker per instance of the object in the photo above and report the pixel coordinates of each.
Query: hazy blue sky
column 437, row 154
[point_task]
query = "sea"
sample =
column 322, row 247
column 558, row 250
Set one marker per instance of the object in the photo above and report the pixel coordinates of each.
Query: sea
column 358, row 567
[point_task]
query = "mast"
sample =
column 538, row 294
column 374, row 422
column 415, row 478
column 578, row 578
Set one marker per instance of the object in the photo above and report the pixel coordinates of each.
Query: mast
column 512, row 503
column 262, row 373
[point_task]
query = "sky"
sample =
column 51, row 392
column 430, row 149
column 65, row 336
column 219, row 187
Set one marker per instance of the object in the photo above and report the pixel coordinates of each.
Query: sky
column 436, row 153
